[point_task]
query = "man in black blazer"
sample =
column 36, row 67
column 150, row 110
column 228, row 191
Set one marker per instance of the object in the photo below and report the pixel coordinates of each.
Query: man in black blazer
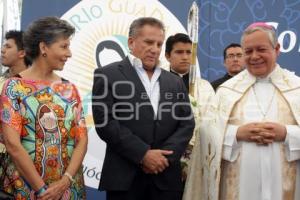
column 143, row 114
column 233, row 62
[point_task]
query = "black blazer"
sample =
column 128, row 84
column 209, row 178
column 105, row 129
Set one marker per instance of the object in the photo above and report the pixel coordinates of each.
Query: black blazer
column 216, row 83
column 185, row 78
column 124, row 119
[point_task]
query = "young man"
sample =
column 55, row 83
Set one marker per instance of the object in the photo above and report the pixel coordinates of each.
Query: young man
column 233, row 62
column 143, row 114
column 13, row 54
column 179, row 53
column 13, row 57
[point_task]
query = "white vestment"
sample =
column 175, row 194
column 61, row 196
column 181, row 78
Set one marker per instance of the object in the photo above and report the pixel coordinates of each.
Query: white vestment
column 260, row 172
column 203, row 173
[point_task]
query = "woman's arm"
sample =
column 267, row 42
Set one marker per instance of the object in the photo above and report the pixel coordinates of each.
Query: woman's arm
column 21, row 158
column 56, row 189
column 78, row 155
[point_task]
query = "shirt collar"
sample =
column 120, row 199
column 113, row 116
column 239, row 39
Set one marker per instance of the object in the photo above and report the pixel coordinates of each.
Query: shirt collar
column 137, row 62
column 134, row 61
column 6, row 74
column 181, row 75
column 268, row 78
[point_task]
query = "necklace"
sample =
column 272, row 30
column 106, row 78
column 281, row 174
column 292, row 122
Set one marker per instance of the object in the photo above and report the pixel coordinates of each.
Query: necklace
column 264, row 114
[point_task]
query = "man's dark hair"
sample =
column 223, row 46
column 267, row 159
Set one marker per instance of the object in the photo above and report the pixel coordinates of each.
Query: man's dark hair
column 137, row 24
column 17, row 36
column 230, row 46
column 178, row 37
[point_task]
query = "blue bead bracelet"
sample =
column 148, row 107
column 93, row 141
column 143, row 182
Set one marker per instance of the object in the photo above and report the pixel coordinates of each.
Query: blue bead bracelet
column 41, row 190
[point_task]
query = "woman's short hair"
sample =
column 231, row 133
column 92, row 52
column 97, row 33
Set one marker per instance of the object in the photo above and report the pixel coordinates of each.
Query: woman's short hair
column 47, row 30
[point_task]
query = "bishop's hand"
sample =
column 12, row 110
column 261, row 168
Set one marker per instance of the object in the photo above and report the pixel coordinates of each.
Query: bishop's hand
column 278, row 130
column 258, row 132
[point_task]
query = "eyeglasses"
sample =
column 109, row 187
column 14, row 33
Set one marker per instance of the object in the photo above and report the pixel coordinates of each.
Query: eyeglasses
column 232, row 56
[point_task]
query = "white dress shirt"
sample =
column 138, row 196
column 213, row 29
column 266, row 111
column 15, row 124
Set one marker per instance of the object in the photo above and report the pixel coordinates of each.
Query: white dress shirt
column 151, row 85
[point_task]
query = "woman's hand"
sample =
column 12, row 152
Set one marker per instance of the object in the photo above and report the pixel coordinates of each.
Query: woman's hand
column 56, row 190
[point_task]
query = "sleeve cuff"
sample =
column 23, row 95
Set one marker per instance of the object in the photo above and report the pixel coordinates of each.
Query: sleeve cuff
column 231, row 147
column 292, row 142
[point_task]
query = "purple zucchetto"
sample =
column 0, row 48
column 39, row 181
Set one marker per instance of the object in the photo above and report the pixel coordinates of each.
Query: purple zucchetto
column 260, row 24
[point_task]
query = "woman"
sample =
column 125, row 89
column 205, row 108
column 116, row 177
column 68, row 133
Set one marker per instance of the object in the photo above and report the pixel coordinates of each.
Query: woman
column 43, row 125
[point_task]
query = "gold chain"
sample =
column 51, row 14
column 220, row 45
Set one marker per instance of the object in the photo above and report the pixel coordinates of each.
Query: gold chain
column 259, row 106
